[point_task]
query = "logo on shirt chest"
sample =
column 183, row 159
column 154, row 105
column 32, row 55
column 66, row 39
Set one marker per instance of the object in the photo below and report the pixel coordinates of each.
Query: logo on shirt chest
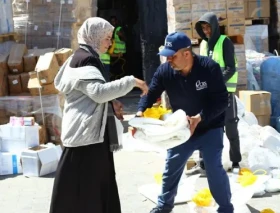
column 200, row 85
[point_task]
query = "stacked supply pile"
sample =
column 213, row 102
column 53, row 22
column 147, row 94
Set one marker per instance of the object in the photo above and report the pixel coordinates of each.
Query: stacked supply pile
column 6, row 17
column 241, row 67
column 28, row 76
column 16, row 69
column 45, row 109
column 19, row 134
column 21, row 151
column 49, row 23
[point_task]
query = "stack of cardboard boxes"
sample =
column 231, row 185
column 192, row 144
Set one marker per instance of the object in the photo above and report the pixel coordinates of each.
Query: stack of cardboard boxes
column 48, row 23
column 26, row 66
column 241, row 68
column 182, row 15
column 21, row 152
column 16, row 68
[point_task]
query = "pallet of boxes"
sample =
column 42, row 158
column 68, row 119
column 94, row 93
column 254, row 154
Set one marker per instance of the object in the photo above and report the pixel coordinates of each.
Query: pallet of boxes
column 31, row 110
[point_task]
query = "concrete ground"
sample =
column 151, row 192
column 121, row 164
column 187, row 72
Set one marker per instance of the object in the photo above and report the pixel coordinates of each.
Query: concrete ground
column 19, row 194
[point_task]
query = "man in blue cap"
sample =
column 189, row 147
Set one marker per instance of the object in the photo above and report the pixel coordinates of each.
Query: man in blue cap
column 194, row 84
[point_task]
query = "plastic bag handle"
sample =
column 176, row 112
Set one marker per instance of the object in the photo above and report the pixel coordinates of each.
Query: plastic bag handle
column 260, row 170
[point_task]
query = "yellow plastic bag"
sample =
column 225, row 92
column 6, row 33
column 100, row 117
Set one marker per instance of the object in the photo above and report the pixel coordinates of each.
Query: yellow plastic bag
column 203, row 198
column 158, row 178
column 112, row 48
column 155, row 112
column 267, row 211
column 247, row 177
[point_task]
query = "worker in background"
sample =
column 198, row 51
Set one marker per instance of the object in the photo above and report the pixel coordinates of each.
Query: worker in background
column 117, row 57
column 106, row 58
column 194, row 84
column 221, row 49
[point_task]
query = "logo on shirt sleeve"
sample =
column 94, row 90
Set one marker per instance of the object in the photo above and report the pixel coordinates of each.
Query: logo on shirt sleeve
column 200, row 85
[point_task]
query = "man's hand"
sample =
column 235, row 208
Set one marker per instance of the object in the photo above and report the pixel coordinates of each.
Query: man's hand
column 139, row 114
column 194, row 121
column 118, row 109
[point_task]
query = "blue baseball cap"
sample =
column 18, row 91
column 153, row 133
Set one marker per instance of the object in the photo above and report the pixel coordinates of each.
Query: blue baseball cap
column 174, row 42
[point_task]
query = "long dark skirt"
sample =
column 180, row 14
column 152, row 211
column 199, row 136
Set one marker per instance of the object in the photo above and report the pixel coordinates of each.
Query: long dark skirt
column 85, row 181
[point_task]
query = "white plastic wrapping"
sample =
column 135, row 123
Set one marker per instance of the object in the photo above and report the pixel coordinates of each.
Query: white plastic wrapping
column 47, row 113
column 167, row 134
column 6, row 17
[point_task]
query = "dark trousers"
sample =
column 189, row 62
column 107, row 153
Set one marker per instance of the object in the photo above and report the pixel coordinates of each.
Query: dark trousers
column 231, row 130
column 211, row 145
column 85, row 180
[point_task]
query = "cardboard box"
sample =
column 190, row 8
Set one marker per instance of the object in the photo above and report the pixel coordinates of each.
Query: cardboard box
column 3, row 86
column 4, row 119
column 185, row 28
column 257, row 8
column 241, row 59
column 235, row 8
column 34, row 86
column 30, row 60
column 194, row 32
column 18, row 138
column 239, row 48
column 240, row 88
column 219, row 8
column 62, row 55
column 40, row 160
column 14, row 84
column 235, row 26
column 242, row 77
column 24, row 77
column 40, row 52
column 190, row 164
column 47, row 68
column 198, row 10
column 176, row 2
column 183, row 13
column 43, row 138
column 10, row 163
column 257, row 102
column 241, row 65
column 4, row 74
column 263, row 120
column 15, row 61
column 4, row 64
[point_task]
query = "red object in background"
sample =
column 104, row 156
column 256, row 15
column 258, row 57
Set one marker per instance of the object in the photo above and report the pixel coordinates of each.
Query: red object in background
column 133, row 132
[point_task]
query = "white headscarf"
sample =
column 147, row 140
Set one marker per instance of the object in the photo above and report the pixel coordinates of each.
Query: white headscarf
column 93, row 31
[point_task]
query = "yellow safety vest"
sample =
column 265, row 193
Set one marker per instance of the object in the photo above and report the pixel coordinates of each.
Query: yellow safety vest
column 218, row 57
column 105, row 58
column 120, row 46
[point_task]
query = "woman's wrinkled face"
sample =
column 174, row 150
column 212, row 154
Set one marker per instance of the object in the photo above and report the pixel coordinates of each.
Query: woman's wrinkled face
column 106, row 43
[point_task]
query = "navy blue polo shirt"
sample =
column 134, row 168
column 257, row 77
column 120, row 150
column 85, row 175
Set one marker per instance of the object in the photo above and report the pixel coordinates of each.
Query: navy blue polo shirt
column 201, row 91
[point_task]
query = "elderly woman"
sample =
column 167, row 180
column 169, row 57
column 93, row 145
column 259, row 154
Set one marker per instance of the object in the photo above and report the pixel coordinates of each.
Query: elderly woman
column 85, row 179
